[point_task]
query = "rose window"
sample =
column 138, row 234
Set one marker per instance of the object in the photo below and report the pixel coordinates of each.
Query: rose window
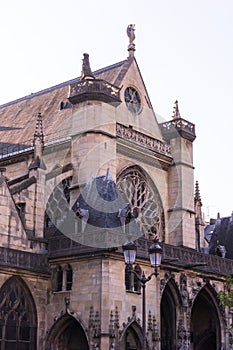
column 132, row 100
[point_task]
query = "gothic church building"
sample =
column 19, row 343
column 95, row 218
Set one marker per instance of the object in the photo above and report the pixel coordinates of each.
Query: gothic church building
column 86, row 168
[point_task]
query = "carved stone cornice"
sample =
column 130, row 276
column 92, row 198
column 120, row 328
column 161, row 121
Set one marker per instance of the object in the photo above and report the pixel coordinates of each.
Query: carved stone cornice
column 19, row 259
column 94, row 89
column 143, row 140
column 172, row 257
column 187, row 258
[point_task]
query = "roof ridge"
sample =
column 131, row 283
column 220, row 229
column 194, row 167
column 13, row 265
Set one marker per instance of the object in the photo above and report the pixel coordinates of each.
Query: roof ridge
column 60, row 85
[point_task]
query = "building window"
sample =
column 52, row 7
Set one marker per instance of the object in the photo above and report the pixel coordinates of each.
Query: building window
column 137, row 283
column 138, row 190
column 59, row 279
column 132, row 100
column 69, row 277
column 57, row 206
column 18, row 324
column 132, row 284
column 21, row 211
column 62, row 273
column 128, row 275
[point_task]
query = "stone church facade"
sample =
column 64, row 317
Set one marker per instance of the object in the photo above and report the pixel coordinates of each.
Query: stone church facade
column 86, row 167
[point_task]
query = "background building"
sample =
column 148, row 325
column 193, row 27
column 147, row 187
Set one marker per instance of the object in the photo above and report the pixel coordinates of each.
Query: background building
column 85, row 167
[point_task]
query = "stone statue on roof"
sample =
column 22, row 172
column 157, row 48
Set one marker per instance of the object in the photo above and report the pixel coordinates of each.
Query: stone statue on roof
column 130, row 33
column 86, row 68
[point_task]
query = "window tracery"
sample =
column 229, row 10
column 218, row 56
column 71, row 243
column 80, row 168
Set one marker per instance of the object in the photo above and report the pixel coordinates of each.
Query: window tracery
column 133, row 100
column 145, row 200
column 132, row 284
column 17, row 317
column 58, row 203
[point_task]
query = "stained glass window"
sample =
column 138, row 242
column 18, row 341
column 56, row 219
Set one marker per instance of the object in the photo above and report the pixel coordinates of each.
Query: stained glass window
column 132, row 100
column 144, row 198
column 17, row 317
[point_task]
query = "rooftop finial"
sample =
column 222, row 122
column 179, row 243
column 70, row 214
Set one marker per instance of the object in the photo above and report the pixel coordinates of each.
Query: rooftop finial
column 197, row 196
column 86, row 69
column 38, row 143
column 218, row 220
column 131, row 35
column 38, row 135
column 176, row 112
column 231, row 217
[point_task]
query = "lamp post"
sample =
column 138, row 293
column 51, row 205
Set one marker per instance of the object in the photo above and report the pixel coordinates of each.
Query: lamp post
column 155, row 253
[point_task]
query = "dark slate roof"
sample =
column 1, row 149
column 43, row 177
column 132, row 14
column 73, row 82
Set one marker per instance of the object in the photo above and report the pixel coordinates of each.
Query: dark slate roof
column 104, row 73
column 222, row 233
column 22, row 113
column 101, row 199
column 103, row 227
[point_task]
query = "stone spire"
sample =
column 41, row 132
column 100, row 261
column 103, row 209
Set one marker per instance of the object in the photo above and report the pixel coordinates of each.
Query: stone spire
column 86, row 69
column 2, row 176
column 38, row 140
column 197, row 196
column 131, row 35
column 38, row 144
column 176, row 112
column 231, row 218
column 218, row 220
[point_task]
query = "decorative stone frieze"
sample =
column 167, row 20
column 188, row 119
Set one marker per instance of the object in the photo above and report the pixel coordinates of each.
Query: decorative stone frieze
column 94, row 89
column 143, row 140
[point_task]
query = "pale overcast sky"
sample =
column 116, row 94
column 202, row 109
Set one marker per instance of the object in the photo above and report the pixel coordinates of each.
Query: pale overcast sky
column 183, row 48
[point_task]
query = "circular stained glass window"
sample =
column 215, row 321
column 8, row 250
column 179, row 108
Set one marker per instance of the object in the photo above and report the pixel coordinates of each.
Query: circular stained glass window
column 132, row 100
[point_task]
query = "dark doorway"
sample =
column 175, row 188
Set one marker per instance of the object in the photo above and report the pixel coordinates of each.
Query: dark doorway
column 132, row 338
column 205, row 325
column 67, row 334
column 168, row 320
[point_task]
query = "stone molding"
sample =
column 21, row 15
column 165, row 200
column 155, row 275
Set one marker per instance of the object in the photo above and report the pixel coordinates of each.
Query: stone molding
column 34, row 262
column 143, row 140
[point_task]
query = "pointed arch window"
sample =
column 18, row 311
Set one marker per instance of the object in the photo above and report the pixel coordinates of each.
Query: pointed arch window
column 69, row 277
column 128, row 276
column 18, row 320
column 57, row 206
column 59, row 279
column 131, row 282
column 139, row 190
column 62, row 278
column 137, row 284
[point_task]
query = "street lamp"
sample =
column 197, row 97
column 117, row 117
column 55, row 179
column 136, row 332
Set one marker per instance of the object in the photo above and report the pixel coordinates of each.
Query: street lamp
column 155, row 253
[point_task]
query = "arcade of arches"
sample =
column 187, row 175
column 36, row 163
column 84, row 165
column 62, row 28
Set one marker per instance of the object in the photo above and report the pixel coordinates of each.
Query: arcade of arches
column 18, row 322
column 201, row 315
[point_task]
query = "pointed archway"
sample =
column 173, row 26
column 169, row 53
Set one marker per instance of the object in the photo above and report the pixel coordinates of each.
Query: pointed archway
column 207, row 333
column 67, row 334
column 169, row 303
column 18, row 316
column 131, row 338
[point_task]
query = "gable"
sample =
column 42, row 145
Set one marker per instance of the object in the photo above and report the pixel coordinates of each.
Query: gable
column 145, row 121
